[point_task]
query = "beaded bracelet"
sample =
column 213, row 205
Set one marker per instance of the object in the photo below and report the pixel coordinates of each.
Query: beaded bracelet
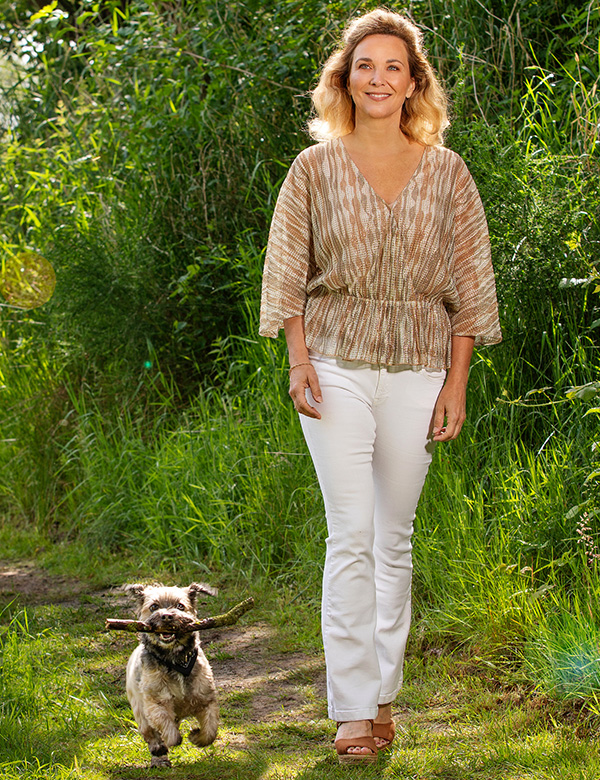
column 291, row 368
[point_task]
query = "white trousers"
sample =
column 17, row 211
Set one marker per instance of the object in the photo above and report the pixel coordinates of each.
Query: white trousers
column 371, row 449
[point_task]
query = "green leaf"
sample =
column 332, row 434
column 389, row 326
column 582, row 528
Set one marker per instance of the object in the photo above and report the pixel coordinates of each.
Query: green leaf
column 45, row 11
column 584, row 392
column 82, row 17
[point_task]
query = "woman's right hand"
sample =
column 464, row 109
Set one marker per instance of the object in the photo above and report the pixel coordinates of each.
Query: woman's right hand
column 302, row 378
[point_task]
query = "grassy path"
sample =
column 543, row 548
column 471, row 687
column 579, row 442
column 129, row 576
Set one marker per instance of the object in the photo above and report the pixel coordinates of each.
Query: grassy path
column 64, row 712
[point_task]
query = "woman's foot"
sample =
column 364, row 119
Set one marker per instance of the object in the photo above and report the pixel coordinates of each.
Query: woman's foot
column 354, row 741
column 384, row 728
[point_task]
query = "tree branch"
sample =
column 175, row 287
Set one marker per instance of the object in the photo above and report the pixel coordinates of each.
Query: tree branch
column 216, row 621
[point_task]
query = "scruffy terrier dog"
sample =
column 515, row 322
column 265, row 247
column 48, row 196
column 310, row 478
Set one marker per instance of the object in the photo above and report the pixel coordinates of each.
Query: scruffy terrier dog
column 168, row 676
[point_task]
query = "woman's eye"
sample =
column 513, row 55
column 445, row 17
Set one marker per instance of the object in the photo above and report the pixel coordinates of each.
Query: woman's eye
column 393, row 67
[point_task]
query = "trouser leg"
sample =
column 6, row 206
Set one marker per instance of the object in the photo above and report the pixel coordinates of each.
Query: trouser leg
column 371, row 453
column 341, row 446
column 402, row 454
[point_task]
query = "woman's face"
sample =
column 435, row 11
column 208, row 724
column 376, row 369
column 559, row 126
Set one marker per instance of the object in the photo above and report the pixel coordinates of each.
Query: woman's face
column 380, row 80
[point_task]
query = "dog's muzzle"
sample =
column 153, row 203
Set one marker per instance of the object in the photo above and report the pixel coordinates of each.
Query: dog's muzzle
column 168, row 625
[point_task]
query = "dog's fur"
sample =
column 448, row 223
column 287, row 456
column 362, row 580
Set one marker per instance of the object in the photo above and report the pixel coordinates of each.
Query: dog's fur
column 161, row 695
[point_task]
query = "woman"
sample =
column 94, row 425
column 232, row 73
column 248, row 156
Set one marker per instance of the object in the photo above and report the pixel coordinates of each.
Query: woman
column 378, row 268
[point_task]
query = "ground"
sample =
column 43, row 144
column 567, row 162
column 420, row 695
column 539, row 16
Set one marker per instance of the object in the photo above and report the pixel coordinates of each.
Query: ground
column 242, row 658
column 456, row 718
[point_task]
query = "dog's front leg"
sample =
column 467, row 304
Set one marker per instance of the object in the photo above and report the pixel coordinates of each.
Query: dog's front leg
column 208, row 720
column 160, row 715
column 156, row 746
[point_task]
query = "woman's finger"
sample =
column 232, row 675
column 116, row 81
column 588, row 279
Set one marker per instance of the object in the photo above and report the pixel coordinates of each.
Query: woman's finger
column 315, row 387
column 438, row 420
column 299, row 382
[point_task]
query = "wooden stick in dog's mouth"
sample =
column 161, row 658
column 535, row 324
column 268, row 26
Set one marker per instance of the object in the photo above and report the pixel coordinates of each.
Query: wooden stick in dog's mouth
column 216, row 621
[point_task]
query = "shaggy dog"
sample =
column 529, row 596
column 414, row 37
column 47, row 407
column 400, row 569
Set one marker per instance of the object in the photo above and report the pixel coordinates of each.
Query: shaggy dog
column 168, row 676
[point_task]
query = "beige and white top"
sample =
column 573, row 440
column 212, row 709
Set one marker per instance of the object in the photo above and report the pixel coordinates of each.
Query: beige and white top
column 385, row 284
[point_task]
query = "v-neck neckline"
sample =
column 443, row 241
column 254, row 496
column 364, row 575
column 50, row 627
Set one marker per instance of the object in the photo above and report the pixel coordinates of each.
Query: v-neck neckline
column 370, row 186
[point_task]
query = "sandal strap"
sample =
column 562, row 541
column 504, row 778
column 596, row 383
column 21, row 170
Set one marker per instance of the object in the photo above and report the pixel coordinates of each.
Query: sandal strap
column 342, row 745
column 385, row 730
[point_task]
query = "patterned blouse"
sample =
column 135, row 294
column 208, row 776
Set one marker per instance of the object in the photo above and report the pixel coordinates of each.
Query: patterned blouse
column 384, row 284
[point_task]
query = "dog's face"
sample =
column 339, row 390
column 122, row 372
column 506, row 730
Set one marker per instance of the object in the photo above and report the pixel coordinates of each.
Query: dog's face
column 167, row 610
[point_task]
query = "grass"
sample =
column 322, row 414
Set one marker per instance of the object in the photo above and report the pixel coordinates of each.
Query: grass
column 64, row 713
column 225, row 486
column 116, row 464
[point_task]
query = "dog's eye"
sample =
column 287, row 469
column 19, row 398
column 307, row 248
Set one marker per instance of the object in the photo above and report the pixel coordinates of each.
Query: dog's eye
column 181, row 606
column 153, row 607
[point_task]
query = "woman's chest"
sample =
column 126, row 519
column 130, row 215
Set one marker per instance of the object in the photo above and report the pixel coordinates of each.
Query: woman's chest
column 349, row 213
column 387, row 176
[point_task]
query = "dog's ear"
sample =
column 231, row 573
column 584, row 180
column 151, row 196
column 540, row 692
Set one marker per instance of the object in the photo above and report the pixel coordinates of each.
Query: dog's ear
column 136, row 589
column 199, row 587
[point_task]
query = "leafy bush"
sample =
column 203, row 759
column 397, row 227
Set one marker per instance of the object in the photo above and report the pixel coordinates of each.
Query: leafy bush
column 141, row 145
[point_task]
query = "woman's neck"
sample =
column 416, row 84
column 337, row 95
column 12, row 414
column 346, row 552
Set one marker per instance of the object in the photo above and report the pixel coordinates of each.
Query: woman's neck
column 378, row 137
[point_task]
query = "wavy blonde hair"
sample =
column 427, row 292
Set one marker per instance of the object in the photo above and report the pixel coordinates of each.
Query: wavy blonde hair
column 424, row 116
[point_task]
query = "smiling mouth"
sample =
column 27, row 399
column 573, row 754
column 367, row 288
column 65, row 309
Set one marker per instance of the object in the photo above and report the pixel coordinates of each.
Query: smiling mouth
column 378, row 95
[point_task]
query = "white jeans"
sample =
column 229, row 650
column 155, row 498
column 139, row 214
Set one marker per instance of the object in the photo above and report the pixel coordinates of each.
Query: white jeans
column 371, row 450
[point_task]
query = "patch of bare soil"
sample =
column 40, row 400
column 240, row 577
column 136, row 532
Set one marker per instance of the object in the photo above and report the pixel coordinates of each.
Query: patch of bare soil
column 30, row 585
column 286, row 685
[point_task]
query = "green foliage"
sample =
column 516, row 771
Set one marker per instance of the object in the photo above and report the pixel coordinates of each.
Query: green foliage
column 500, row 44
column 143, row 145
column 564, row 654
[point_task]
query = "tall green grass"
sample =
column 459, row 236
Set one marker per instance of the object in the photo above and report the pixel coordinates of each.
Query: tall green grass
column 225, row 481
column 107, row 439
column 42, row 712
column 228, row 484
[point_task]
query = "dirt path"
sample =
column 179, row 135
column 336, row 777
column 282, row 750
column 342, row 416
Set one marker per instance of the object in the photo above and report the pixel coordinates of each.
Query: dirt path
column 24, row 581
column 264, row 682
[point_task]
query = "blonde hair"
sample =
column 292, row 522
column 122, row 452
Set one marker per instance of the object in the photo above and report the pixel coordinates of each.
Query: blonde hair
column 424, row 116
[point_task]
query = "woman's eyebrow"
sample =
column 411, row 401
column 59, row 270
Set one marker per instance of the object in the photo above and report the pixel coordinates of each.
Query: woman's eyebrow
column 368, row 59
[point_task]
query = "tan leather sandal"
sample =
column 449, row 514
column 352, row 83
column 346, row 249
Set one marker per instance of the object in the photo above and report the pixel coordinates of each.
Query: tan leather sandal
column 385, row 731
column 342, row 745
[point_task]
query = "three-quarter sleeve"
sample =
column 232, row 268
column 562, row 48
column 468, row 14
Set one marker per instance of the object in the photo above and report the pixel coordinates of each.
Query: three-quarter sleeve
column 477, row 312
column 289, row 256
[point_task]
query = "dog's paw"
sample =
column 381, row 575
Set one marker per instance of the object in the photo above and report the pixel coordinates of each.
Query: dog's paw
column 201, row 738
column 173, row 738
column 160, row 761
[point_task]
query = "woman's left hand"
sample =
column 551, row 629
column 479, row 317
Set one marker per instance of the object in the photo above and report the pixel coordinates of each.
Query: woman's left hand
column 451, row 405
column 450, row 411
